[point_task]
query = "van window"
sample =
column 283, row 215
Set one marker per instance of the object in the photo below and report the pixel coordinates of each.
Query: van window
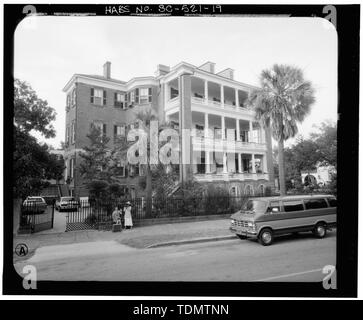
column 293, row 206
column 273, row 204
column 315, row 204
column 332, row 202
column 254, row 206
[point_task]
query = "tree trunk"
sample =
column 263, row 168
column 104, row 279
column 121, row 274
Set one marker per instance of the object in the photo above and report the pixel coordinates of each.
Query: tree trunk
column 281, row 168
column 148, row 191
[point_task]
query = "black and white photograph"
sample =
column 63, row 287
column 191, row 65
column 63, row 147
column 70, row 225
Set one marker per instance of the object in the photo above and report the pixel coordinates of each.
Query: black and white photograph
column 169, row 148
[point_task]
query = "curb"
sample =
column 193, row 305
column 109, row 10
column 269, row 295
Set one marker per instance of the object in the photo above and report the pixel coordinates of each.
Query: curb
column 195, row 240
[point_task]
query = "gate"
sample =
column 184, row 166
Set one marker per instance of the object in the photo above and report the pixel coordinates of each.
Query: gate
column 35, row 218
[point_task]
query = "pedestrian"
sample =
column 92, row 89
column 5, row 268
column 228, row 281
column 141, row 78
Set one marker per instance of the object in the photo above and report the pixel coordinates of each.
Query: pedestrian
column 127, row 216
column 116, row 216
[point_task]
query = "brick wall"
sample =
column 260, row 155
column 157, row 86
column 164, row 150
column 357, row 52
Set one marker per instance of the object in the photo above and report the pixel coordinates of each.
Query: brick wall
column 85, row 113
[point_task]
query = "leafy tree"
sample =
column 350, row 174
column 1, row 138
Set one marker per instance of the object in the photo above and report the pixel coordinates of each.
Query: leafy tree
column 31, row 112
column 96, row 158
column 326, row 141
column 33, row 165
column 302, row 156
column 284, row 99
column 32, row 162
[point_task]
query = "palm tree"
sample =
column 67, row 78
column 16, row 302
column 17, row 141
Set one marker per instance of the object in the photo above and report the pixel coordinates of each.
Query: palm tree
column 145, row 119
column 284, row 99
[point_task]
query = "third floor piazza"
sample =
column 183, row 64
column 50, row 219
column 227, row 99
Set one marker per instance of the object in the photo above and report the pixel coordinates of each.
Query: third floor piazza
column 218, row 106
column 212, row 92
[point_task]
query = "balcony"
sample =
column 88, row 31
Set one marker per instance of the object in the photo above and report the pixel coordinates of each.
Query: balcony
column 201, row 143
column 210, row 177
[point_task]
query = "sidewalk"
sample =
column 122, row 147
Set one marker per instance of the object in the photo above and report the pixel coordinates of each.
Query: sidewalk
column 138, row 237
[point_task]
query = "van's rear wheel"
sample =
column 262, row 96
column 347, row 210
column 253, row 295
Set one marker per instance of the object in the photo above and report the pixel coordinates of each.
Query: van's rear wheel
column 266, row 237
column 320, row 230
column 241, row 237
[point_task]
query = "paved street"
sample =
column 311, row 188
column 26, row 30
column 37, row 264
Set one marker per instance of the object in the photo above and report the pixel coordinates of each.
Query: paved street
column 292, row 258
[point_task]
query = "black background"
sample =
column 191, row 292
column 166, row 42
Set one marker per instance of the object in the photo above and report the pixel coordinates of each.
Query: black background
column 348, row 17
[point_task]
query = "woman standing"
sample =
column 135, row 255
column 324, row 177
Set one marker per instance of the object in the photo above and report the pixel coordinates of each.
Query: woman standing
column 128, row 217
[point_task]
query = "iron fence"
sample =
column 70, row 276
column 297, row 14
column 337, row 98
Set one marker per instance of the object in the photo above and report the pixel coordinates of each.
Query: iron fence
column 35, row 217
column 98, row 215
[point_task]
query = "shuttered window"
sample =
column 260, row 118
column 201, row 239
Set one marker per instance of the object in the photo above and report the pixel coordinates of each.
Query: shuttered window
column 145, row 95
column 119, row 100
column 98, row 97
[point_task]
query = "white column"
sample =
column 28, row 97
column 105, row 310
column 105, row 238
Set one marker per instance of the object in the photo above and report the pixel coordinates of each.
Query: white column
column 250, row 132
column 205, row 91
column 239, row 163
column 206, row 125
column 237, row 100
column 225, row 169
column 265, row 163
column 223, row 128
column 222, row 96
column 253, row 163
column 207, row 162
column 237, row 130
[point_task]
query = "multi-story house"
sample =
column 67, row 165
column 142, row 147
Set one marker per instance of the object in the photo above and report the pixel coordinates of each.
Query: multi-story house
column 227, row 146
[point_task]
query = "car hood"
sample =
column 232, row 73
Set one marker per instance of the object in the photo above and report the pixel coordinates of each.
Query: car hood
column 243, row 215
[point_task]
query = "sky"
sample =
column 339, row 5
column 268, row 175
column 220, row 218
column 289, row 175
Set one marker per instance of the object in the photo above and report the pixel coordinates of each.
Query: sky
column 49, row 50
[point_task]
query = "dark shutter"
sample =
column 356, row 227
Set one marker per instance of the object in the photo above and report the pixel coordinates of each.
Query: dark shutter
column 104, row 97
column 115, row 99
column 115, row 130
column 137, row 95
column 150, row 94
column 104, row 128
column 92, row 95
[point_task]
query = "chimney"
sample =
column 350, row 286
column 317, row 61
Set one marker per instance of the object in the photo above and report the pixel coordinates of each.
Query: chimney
column 227, row 73
column 162, row 70
column 208, row 66
column 107, row 70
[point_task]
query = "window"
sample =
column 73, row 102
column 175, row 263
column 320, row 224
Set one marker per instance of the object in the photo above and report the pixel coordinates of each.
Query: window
column 315, row 204
column 233, row 191
column 293, row 206
column 73, row 132
column 121, row 168
column 332, row 202
column 273, row 205
column 261, row 189
column 145, row 95
column 249, row 190
column 101, row 127
column 173, row 93
column 119, row 130
column 73, row 97
column 120, row 100
column 98, row 96
column 132, row 97
column 254, row 205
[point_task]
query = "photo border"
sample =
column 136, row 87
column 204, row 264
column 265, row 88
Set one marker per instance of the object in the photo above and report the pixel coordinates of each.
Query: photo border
column 348, row 24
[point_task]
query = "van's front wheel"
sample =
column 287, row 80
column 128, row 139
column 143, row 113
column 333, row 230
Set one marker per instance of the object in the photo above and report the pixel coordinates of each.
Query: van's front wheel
column 266, row 237
column 320, row 230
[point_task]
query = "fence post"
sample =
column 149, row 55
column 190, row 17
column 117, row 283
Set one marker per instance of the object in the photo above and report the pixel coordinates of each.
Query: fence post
column 53, row 202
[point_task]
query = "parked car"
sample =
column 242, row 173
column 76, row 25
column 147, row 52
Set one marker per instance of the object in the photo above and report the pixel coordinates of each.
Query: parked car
column 266, row 217
column 34, row 205
column 67, row 203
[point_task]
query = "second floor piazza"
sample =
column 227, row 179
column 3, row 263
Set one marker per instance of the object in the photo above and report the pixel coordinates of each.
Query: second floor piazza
column 215, row 93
